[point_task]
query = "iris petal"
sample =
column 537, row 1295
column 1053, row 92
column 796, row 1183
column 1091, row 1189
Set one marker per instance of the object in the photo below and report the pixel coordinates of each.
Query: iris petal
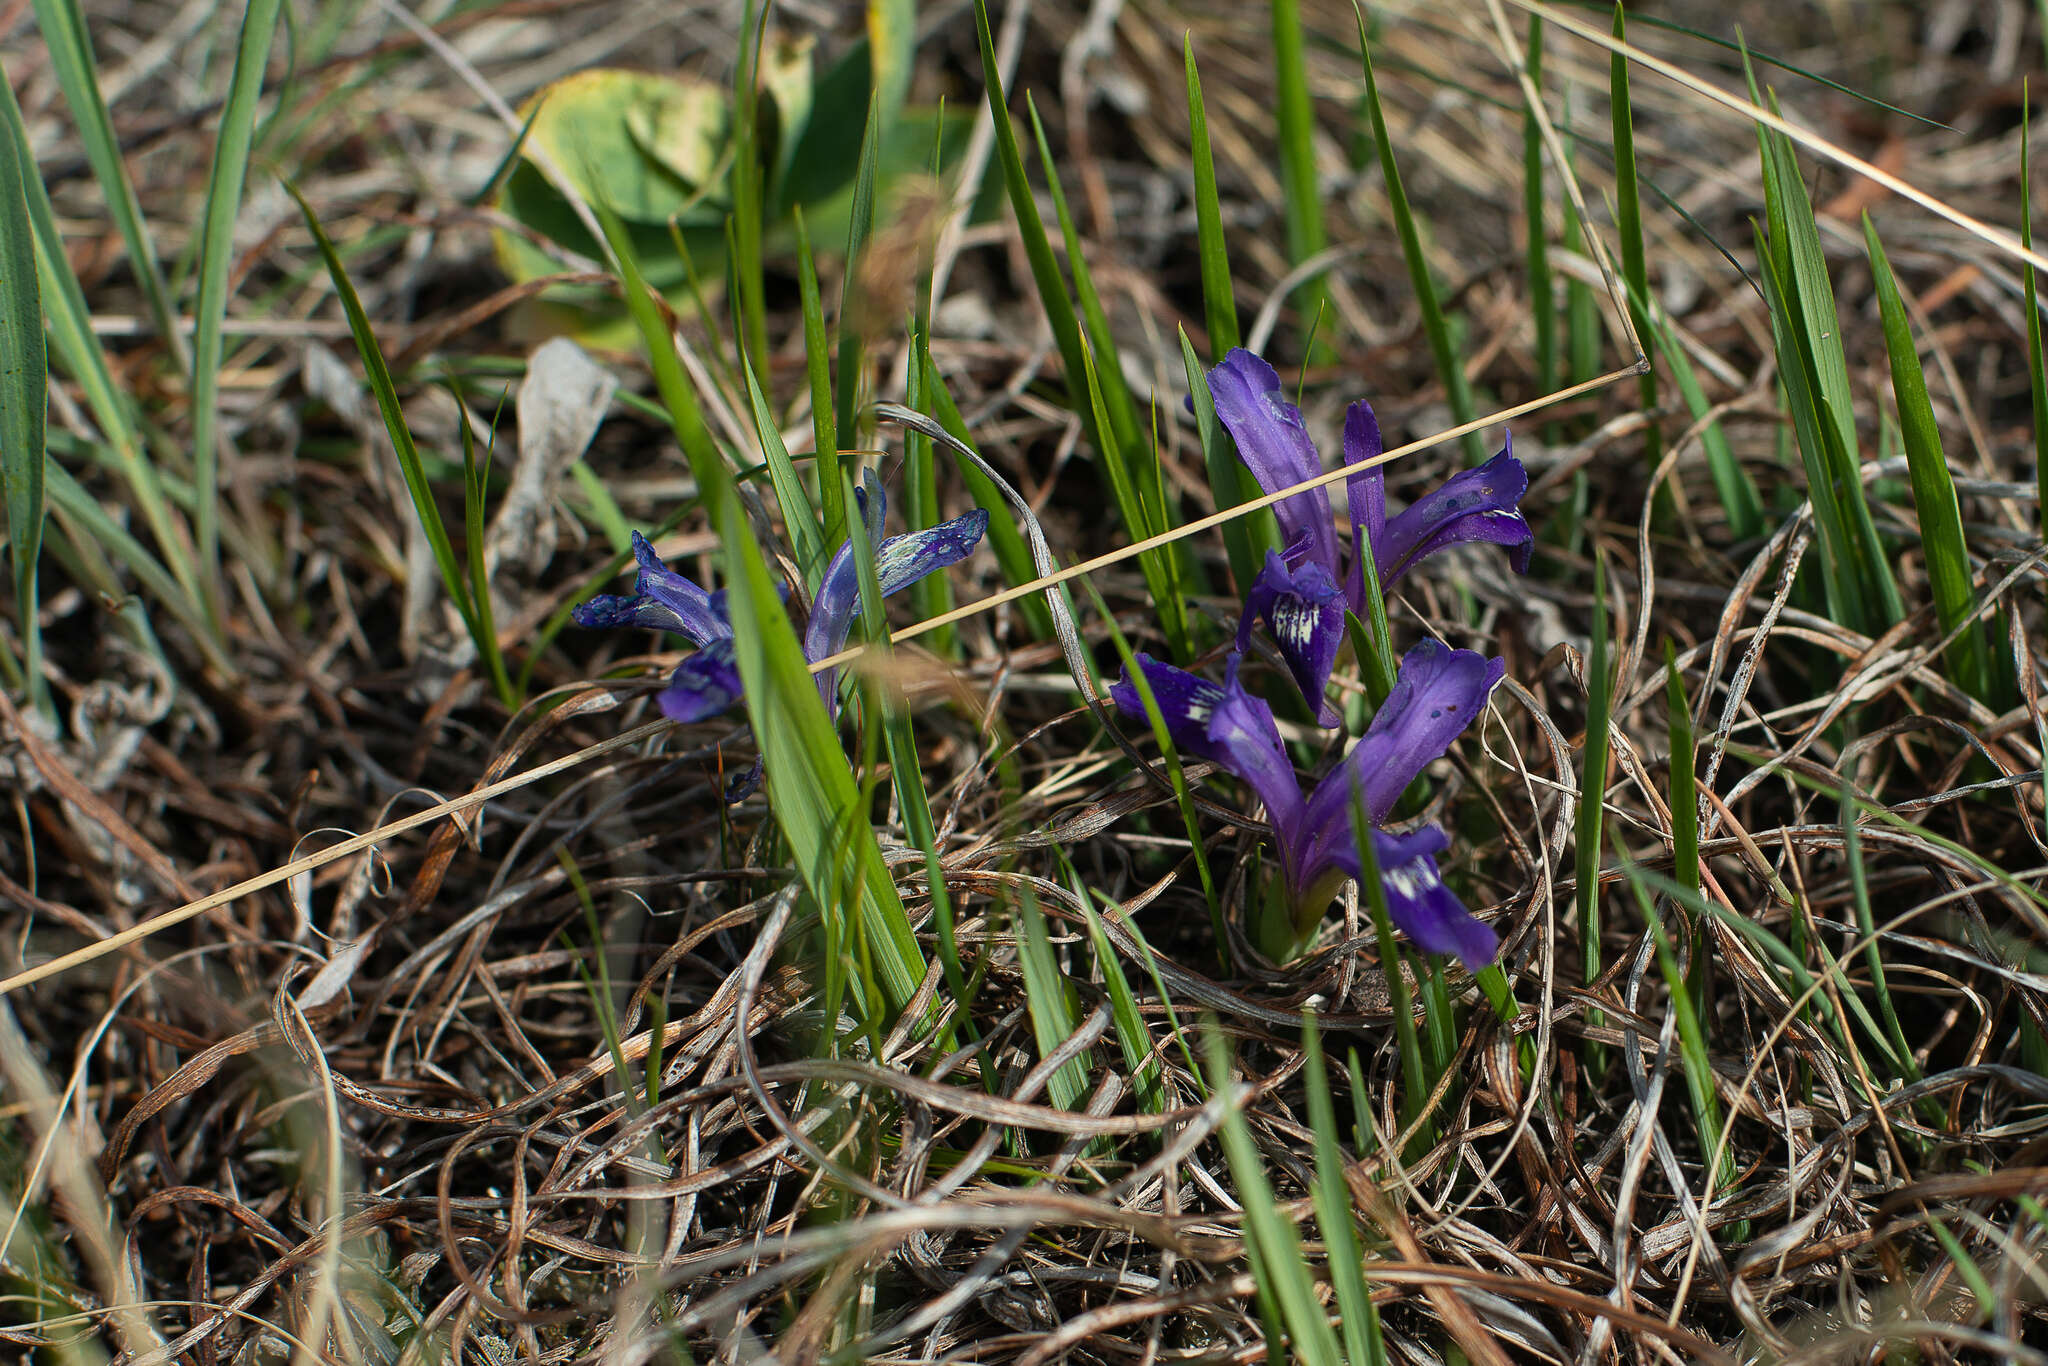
column 1475, row 505
column 1228, row 725
column 899, row 562
column 705, row 685
column 663, row 601
column 1305, row 609
column 1273, row 442
column 1419, row 904
column 1437, row 693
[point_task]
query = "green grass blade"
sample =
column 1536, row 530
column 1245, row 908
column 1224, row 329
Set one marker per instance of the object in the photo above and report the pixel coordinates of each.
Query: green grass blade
column 1116, row 464
column 1300, row 194
column 906, row 769
column 1934, row 492
column 1183, row 795
column 1435, row 326
column 1873, row 952
column 1161, row 566
column 1049, row 999
column 1415, row 1077
column 799, row 522
column 1013, row 556
column 1277, row 1260
column 1737, row 492
column 77, row 71
column 818, row 366
column 1695, row 1060
column 1685, row 812
column 78, row 352
column 216, row 264
column 1363, row 1344
column 1245, row 539
column 749, row 188
column 2037, row 371
column 1536, row 254
column 1807, row 331
column 1219, row 298
column 476, row 480
column 1131, row 1032
column 1628, row 221
column 853, row 309
column 453, row 577
column 810, row 786
column 1593, row 783
column 1148, row 493
column 24, row 409
column 933, row 594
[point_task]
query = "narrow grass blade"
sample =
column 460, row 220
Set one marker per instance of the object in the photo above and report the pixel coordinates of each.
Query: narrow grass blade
column 2037, row 363
column 1219, row 298
column 1695, row 1059
column 810, row 786
column 1593, row 784
column 1245, row 539
column 24, row 409
column 818, row 366
column 453, row 577
column 77, row 71
column 1049, row 999
column 1581, row 304
column 1536, row 252
column 1162, row 566
column 1807, row 331
column 1873, row 953
column 906, row 768
column 1628, row 221
column 1122, row 468
column 933, row 594
column 1278, row 1262
column 1360, row 1321
column 1415, row 1078
column 1740, row 501
column 216, row 263
column 749, row 188
column 1183, row 795
column 1132, row 1034
column 78, row 352
column 476, row 480
column 1685, row 818
column 1013, row 556
column 799, row 521
column 1934, row 491
column 853, row 309
column 1148, row 493
column 1300, row 195
column 1435, row 326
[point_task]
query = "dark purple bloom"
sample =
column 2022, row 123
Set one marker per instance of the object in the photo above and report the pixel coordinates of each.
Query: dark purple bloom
column 1437, row 693
column 708, row 682
column 1295, row 593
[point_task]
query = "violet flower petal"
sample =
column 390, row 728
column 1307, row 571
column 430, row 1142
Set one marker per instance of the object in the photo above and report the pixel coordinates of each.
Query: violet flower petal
column 1366, row 491
column 1438, row 691
column 1228, row 725
column 1474, row 505
column 1418, row 903
column 663, row 601
column 1305, row 609
column 705, row 685
column 899, row 562
column 1273, row 442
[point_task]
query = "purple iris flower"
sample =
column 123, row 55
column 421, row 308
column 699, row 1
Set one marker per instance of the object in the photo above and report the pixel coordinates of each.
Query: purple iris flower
column 708, row 682
column 1437, row 692
column 1303, row 591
